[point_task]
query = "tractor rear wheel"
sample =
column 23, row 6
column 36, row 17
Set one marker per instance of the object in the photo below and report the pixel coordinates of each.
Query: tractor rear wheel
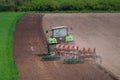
column 51, row 48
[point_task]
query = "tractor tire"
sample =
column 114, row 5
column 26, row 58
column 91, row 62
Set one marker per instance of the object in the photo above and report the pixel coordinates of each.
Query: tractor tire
column 51, row 48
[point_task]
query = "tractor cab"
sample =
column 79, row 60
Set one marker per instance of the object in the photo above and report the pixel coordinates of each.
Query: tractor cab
column 60, row 34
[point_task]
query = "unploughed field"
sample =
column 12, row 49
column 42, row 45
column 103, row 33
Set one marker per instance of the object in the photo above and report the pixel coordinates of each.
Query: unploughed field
column 89, row 30
column 99, row 30
column 8, row 70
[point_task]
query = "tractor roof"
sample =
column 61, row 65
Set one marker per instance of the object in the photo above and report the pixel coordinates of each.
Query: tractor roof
column 60, row 27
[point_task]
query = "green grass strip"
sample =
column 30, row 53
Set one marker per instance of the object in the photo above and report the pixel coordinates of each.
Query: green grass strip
column 8, row 20
column 81, row 11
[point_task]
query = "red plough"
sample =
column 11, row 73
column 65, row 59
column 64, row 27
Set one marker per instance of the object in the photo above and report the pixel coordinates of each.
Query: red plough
column 86, row 54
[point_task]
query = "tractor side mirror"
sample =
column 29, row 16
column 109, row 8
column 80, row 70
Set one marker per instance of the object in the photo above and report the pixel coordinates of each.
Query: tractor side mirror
column 46, row 31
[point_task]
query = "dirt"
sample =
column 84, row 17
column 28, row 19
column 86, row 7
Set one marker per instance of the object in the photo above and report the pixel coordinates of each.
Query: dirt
column 30, row 41
column 99, row 30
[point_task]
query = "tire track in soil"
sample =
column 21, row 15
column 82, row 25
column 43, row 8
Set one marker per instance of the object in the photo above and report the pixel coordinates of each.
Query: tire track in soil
column 29, row 41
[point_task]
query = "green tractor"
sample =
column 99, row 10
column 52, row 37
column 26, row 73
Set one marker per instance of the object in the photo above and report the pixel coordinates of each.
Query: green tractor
column 60, row 35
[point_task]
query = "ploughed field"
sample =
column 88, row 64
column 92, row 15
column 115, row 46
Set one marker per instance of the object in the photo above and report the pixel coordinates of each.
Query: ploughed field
column 30, row 41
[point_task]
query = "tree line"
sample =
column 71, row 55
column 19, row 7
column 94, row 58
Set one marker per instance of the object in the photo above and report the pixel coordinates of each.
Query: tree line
column 11, row 5
column 58, row 5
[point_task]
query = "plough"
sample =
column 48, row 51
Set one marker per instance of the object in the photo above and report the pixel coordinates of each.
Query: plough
column 74, row 54
column 79, row 54
column 50, row 57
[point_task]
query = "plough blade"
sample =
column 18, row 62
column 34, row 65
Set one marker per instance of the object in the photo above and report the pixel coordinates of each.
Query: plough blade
column 73, row 60
column 50, row 57
column 79, row 55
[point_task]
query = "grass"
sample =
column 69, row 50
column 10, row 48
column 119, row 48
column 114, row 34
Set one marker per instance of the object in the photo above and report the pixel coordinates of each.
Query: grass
column 8, row 70
column 65, row 5
column 81, row 11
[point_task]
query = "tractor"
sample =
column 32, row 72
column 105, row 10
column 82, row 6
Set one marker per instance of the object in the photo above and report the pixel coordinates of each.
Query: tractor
column 61, row 44
column 60, row 35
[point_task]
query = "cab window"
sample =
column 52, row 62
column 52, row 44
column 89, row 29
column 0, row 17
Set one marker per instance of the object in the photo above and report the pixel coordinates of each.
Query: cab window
column 59, row 32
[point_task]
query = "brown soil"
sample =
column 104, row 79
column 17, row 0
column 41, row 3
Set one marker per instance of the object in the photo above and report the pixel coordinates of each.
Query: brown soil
column 30, row 41
column 99, row 30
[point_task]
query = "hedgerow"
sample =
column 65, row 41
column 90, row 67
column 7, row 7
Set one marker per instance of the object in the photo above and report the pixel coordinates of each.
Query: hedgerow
column 61, row 5
column 53, row 5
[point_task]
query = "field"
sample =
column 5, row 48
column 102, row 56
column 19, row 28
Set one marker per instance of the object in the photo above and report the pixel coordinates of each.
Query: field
column 20, row 46
column 8, row 70
column 89, row 30
column 99, row 30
